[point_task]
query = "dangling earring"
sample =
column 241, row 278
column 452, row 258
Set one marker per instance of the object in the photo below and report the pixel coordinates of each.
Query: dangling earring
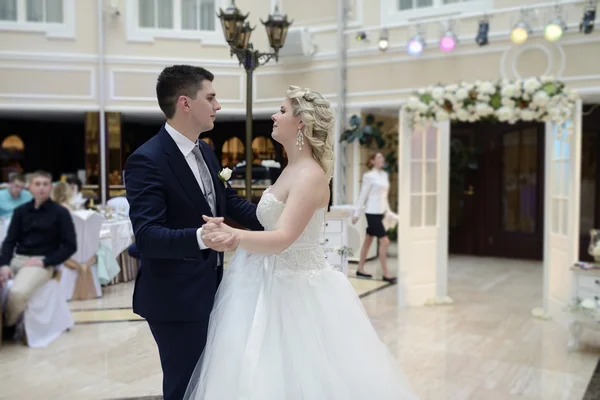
column 300, row 139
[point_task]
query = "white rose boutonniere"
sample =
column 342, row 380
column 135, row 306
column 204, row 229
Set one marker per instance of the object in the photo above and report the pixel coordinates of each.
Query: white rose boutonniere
column 225, row 175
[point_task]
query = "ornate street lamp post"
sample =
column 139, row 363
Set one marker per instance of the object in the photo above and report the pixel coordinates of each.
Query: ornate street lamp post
column 237, row 33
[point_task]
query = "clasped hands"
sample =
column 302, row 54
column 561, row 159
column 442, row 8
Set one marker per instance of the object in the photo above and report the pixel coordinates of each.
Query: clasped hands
column 219, row 236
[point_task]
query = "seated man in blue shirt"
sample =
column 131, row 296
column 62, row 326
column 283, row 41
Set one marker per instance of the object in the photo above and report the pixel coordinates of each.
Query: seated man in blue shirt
column 14, row 196
column 40, row 237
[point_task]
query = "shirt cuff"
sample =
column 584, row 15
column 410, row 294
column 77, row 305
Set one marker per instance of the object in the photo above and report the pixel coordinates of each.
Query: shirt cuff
column 200, row 242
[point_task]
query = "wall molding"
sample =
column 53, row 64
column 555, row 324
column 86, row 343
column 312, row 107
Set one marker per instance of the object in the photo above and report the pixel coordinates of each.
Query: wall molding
column 258, row 112
column 92, row 82
column 155, row 72
column 399, row 52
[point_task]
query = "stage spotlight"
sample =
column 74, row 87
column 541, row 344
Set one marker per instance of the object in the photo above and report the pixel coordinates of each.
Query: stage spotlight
column 589, row 16
column 520, row 33
column 448, row 42
column 482, row 33
column 416, row 45
column 554, row 30
column 384, row 41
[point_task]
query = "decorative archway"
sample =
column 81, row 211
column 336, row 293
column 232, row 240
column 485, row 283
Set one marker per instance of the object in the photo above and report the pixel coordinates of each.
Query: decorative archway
column 423, row 190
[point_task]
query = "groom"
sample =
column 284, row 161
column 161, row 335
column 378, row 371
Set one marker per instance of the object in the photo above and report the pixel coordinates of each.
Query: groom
column 172, row 180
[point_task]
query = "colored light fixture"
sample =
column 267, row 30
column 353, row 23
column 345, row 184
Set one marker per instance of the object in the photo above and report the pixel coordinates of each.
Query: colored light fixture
column 554, row 30
column 415, row 45
column 520, row 33
column 448, row 42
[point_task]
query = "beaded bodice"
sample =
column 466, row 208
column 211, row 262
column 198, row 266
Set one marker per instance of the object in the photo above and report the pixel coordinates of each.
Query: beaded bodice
column 306, row 253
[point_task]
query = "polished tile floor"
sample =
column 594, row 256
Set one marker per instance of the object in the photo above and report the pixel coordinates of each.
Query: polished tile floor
column 484, row 347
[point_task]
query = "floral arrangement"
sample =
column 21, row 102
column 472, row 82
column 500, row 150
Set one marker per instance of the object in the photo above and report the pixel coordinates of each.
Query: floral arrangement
column 342, row 251
column 586, row 307
column 532, row 99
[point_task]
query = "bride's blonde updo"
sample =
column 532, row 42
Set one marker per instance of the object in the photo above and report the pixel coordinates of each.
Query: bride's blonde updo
column 318, row 119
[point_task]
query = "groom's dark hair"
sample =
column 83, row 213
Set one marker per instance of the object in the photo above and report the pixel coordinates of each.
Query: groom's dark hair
column 179, row 80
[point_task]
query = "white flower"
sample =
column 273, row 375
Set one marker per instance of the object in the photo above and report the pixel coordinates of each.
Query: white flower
column 483, row 109
column 541, row 98
column 505, row 114
column 413, row 102
column 225, row 175
column 441, row 115
column 531, row 85
column 451, row 87
column 508, row 91
column 437, row 93
column 462, row 94
column 588, row 304
column 546, row 78
column 462, row 115
column 422, row 107
column 486, row 88
column 508, row 102
column 527, row 115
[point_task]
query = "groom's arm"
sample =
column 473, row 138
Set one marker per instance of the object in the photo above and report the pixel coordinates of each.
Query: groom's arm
column 147, row 211
column 241, row 210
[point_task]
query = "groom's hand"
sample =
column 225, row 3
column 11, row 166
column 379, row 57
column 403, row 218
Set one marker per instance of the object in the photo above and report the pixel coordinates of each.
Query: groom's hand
column 219, row 236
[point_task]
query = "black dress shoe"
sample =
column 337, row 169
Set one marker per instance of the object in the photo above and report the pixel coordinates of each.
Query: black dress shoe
column 363, row 275
column 390, row 280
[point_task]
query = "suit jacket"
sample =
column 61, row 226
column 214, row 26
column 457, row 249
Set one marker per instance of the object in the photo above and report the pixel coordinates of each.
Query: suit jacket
column 178, row 281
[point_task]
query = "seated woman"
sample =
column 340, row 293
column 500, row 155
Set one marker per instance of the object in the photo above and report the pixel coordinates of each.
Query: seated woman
column 84, row 286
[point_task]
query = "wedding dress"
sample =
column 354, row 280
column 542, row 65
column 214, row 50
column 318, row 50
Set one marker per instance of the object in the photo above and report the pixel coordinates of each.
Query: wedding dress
column 291, row 327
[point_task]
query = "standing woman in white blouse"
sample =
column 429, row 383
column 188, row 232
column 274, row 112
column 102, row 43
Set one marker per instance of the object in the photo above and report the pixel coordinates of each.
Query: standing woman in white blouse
column 373, row 200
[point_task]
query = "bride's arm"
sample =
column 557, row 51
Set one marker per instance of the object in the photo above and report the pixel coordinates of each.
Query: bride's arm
column 300, row 206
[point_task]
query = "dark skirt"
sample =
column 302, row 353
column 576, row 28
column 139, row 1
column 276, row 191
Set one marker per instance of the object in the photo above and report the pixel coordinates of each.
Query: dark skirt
column 375, row 225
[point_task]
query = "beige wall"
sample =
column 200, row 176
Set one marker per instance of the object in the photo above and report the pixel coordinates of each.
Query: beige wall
column 40, row 71
column 44, row 72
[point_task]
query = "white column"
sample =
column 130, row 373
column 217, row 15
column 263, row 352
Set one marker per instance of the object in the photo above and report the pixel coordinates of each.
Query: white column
column 424, row 164
column 561, row 213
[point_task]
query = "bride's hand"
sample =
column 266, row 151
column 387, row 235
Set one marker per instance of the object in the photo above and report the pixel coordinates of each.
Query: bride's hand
column 215, row 232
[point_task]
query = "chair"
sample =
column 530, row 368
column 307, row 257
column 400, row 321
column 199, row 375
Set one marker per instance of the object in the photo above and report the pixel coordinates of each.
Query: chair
column 87, row 228
column 119, row 204
column 47, row 314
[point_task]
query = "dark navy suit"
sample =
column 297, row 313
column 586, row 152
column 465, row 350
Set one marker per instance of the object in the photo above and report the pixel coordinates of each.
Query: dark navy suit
column 175, row 288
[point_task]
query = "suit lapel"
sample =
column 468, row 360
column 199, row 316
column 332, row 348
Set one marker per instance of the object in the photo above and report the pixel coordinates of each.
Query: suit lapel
column 183, row 174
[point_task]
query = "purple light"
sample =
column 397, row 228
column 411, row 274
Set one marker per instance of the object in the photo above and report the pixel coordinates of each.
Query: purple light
column 415, row 47
column 447, row 43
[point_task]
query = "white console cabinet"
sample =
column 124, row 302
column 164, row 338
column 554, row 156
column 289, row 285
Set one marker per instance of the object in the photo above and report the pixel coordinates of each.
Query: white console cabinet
column 335, row 240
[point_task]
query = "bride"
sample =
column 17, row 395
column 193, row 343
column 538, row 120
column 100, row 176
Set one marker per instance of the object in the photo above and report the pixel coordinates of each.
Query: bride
column 285, row 324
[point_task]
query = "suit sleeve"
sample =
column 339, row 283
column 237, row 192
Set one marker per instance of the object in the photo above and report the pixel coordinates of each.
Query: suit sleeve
column 147, row 210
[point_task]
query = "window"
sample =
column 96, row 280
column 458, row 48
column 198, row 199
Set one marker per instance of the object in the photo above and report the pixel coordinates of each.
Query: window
column 394, row 11
column 49, row 11
column 175, row 19
column 55, row 17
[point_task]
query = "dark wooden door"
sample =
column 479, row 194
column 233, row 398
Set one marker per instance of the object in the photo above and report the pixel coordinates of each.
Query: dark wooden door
column 514, row 189
column 590, row 179
column 464, row 211
column 496, row 190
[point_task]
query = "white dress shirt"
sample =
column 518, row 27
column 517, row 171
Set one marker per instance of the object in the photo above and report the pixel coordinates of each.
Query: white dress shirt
column 373, row 198
column 186, row 146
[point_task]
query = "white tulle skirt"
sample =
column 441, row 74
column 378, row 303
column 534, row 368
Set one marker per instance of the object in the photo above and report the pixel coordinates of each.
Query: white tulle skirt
column 282, row 331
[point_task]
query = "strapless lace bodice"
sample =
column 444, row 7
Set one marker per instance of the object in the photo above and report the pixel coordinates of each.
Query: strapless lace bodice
column 269, row 210
column 306, row 253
